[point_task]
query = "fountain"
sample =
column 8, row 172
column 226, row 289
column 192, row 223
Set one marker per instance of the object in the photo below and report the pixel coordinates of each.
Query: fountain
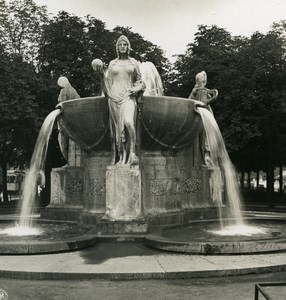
column 177, row 198
column 172, row 196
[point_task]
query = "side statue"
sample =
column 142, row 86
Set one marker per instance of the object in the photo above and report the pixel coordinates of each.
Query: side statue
column 67, row 93
column 122, row 86
column 151, row 78
column 204, row 97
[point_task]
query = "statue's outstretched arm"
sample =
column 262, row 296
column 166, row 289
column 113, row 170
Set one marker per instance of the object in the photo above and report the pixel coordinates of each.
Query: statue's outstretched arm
column 213, row 94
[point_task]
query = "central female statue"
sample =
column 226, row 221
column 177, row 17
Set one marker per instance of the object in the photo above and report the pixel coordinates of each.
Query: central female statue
column 123, row 83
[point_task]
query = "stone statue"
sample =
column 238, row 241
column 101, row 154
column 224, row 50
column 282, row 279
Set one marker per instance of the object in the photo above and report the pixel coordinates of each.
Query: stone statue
column 201, row 93
column 151, row 79
column 122, row 84
column 203, row 97
column 67, row 93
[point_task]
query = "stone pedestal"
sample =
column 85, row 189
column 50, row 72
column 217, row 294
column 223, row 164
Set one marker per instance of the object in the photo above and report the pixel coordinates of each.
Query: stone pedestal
column 95, row 186
column 123, row 192
column 94, row 199
column 67, row 186
column 172, row 183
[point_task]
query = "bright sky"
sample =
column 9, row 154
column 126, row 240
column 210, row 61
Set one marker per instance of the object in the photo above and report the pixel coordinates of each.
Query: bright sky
column 171, row 24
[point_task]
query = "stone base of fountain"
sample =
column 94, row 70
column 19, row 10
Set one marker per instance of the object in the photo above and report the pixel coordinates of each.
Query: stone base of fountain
column 141, row 225
column 60, row 213
column 148, row 224
column 162, row 190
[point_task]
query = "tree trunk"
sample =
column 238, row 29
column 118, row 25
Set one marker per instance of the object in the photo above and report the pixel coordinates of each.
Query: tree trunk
column 242, row 179
column 248, row 180
column 4, row 181
column 257, row 180
column 270, row 180
column 281, row 178
column 270, row 167
column 46, row 194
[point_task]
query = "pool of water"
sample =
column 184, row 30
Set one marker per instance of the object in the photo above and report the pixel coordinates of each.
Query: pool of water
column 252, row 230
column 40, row 232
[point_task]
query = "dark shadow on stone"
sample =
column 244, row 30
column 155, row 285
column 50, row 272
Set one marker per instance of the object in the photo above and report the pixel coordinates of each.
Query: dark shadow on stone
column 102, row 252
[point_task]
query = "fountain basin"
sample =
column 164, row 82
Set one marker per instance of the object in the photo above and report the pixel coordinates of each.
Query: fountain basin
column 166, row 122
column 54, row 237
column 199, row 238
column 196, row 238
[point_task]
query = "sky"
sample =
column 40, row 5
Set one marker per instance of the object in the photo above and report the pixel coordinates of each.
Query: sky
column 171, row 24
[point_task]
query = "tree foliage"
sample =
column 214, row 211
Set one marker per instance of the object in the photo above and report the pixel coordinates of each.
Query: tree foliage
column 20, row 27
column 18, row 118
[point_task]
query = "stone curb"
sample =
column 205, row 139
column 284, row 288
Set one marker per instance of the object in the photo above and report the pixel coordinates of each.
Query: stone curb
column 139, row 276
column 243, row 247
column 153, row 241
column 76, row 243
column 42, row 247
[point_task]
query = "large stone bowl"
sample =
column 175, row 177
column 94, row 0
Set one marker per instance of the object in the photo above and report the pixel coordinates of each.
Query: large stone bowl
column 165, row 122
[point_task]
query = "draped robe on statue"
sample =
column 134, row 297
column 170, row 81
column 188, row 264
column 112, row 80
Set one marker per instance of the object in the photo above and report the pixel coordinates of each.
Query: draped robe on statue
column 121, row 76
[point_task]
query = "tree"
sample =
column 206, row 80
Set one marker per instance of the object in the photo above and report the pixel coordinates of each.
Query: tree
column 18, row 118
column 62, row 49
column 20, row 28
column 262, row 63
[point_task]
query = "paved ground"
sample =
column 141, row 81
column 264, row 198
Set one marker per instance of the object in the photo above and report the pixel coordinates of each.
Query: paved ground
column 134, row 261
column 219, row 288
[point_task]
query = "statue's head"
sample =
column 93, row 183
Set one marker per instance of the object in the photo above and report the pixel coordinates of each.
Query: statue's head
column 201, row 79
column 63, row 82
column 122, row 44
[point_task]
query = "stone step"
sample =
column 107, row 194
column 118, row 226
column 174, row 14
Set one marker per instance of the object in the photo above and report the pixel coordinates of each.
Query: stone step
column 121, row 227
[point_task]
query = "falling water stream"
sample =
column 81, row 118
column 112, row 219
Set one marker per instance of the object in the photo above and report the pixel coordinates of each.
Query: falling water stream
column 229, row 179
column 29, row 192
